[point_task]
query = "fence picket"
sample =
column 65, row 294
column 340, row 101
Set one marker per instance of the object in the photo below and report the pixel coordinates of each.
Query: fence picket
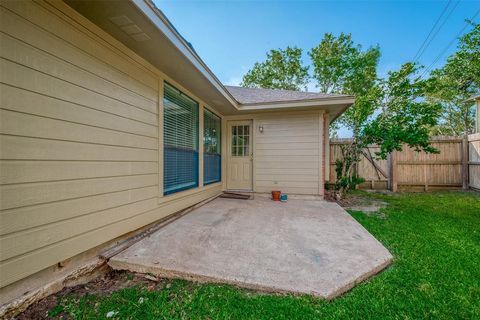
column 456, row 164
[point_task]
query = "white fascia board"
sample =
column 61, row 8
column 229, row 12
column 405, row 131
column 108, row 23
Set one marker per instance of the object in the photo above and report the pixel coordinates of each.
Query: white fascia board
column 296, row 104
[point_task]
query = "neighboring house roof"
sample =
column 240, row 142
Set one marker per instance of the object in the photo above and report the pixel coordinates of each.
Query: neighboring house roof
column 474, row 98
column 258, row 95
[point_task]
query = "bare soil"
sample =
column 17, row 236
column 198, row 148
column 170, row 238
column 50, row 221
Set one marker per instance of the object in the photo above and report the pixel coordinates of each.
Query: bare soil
column 106, row 285
column 356, row 202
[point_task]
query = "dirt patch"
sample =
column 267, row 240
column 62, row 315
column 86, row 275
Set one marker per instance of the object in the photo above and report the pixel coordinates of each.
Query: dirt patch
column 106, row 285
column 329, row 196
column 366, row 205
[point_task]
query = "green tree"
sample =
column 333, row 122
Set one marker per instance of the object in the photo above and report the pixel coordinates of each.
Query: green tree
column 405, row 117
column 402, row 117
column 283, row 69
column 390, row 112
column 340, row 66
column 455, row 82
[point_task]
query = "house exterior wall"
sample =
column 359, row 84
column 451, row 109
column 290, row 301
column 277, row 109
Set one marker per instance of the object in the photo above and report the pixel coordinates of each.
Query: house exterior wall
column 289, row 153
column 81, row 154
column 326, row 138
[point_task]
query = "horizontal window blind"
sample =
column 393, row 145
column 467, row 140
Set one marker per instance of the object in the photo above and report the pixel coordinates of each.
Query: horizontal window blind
column 180, row 136
column 212, row 159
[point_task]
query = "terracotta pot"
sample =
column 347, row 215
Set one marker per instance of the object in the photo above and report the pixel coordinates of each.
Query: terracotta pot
column 276, row 195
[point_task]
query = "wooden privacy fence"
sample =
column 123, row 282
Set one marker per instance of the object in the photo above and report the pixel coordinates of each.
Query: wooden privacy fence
column 411, row 170
column 375, row 172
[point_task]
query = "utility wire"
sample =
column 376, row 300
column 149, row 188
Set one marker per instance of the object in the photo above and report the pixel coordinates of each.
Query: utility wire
column 449, row 44
column 438, row 30
column 431, row 30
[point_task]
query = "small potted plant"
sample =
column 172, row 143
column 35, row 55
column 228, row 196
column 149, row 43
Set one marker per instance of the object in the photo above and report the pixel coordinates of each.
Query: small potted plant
column 276, row 195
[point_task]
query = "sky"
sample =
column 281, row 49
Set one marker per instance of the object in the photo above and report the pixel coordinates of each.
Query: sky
column 230, row 36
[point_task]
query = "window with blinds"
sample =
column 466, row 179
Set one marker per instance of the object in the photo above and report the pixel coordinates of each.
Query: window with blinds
column 180, row 141
column 212, row 159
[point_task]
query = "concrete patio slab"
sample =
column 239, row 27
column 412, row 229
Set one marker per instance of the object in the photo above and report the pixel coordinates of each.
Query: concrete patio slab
column 302, row 246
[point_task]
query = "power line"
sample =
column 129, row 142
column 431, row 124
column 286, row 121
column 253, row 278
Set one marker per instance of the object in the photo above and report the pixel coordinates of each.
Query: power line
column 449, row 44
column 437, row 31
column 431, row 30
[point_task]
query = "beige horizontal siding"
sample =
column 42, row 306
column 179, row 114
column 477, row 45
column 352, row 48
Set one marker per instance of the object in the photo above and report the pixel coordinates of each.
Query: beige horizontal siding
column 283, row 145
column 287, row 152
column 291, row 171
column 14, row 147
column 51, row 22
column 22, row 171
column 22, row 77
column 24, row 30
column 21, row 124
column 284, row 183
column 309, row 138
column 297, row 132
column 13, row 245
column 282, row 151
column 79, row 144
column 21, row 100
column 22, row 265
column 26, row 194
column 18, row 219
column 19, row 52
column 285, row 189
column 272, row 159
column 287, row 177
column 474, row 157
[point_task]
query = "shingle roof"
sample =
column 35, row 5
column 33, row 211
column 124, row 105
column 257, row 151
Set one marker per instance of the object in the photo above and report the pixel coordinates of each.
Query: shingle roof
column 256, row 95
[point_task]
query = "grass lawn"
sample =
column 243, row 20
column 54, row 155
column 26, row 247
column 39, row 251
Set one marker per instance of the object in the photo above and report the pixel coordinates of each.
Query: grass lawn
column 435, row 238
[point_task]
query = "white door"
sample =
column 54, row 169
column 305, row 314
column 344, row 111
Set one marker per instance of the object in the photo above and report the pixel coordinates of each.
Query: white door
column 240, row 155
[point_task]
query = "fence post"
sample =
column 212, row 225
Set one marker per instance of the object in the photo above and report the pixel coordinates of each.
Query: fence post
column 392, row 170
column 425, row 177
column 465, row 162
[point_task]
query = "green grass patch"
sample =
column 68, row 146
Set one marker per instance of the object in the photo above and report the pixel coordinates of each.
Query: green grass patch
column 435, row 238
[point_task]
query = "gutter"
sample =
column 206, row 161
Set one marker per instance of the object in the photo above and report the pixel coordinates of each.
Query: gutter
column 299, row 103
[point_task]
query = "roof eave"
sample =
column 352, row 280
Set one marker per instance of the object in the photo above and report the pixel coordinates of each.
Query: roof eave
column 149, row 9
column 348, row 100
column 340, row 113
column 334, row 107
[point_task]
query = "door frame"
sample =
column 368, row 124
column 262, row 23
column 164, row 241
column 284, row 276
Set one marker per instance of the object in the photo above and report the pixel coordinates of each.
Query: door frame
column 229, row 124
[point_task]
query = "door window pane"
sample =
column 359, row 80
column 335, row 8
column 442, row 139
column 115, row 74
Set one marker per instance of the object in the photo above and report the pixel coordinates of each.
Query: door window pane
column 240, row 140
column 246, row 146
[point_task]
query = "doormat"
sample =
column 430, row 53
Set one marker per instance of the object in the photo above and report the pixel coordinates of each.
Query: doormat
column 233, row 195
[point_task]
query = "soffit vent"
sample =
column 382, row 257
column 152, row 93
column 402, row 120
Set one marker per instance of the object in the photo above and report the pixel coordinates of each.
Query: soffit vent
column 130, row 28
